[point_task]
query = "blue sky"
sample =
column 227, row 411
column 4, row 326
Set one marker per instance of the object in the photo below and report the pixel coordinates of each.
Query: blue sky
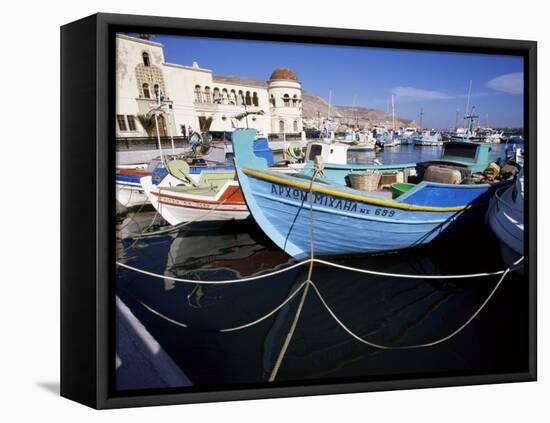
column 433, row 81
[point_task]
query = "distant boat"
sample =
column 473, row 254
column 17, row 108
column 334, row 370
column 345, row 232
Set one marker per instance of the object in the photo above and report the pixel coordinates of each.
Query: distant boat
column 505, row 216
column 469, row 132
column 490, row 135
column 387, row 140
column 346, row 220
column 428, row 138
column 365, row 142
column 408, row 135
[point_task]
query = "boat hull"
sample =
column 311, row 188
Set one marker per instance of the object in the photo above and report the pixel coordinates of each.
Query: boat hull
column 505, row 216
column 342, row 224
column 178, row 208
column 130, row 194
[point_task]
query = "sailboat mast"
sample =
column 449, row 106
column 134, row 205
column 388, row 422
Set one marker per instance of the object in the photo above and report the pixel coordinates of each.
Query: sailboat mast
column 468, row 101
column 421, row 116
column 329, row 103
column 392, row 113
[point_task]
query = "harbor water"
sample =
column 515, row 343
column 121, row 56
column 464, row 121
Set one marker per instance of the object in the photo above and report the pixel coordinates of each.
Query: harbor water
column 384, row 310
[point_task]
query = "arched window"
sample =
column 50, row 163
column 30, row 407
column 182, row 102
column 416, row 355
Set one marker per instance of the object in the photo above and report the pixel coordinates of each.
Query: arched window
column 255, row 100
column 240, row 98
column 198, row 96
column 225, row 96
column 207, row 95
column 217, row 96
column 295, row 126
column 146, row 62
column 248, row 99
column 146, row 92
column 232, row 97
column 286, row 100
column 295, row 101
column 156, row 88
column 281, row 126
column 272, row 100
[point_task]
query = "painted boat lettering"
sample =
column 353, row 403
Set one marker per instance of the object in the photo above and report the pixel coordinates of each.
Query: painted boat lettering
column 329, row 201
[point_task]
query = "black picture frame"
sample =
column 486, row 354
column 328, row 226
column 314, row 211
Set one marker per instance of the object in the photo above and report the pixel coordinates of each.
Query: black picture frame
column 87, row 264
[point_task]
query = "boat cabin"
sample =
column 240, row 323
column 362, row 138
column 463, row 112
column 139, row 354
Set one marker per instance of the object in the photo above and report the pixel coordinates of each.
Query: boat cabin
column 474, row 156
column 333, row 153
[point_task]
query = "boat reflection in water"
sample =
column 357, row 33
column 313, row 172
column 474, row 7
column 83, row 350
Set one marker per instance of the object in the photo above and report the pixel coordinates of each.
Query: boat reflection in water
column 384, row 310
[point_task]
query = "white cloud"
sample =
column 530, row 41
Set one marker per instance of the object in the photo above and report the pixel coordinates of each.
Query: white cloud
column 511, row 83
column 416, row 94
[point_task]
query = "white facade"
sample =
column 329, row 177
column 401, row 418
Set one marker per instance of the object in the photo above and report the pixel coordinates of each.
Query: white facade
column 192, row 93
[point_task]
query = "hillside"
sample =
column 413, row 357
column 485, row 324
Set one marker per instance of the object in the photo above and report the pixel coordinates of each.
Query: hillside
column 315, row 106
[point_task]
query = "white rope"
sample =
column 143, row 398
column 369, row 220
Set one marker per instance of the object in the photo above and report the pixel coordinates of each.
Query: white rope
column 220, row 282
column 338, row 321
column 406, row 276
column 427, row 344
column 294, row 324
column 235, row 328
column 326, row 263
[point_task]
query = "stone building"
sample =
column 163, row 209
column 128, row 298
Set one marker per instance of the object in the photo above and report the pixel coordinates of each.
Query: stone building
column 193, row 96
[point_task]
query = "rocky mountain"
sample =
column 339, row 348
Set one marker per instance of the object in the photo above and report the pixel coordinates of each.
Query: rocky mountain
column 347, row 116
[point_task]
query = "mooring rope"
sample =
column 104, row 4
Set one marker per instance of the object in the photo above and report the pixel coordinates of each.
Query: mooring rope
column 414, row 346
column 324, row 262
column 220, row 282
column 308, row 281
column 235, row 328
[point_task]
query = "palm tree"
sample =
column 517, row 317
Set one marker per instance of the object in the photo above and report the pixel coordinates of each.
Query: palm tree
column 205, row 123
column 148, row 123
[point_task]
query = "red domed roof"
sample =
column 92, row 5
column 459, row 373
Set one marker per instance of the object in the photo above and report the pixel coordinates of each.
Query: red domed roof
column 284, row 73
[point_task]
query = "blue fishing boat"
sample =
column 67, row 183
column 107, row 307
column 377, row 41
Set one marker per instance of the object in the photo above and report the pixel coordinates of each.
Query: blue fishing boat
column 505, row 216
column 346, row 220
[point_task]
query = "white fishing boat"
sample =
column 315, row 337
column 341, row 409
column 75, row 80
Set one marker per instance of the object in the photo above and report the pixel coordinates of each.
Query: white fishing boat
column 179, row 197
column 365, row 142
column 505, row 216
column 129, row 192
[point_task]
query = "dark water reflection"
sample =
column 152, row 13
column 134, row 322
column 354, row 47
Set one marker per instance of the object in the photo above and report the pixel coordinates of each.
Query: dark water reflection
column 384, row 310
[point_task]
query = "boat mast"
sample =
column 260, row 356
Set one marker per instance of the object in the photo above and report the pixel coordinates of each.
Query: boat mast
column 355, row 111
column 392, row 114
column 421, row 115
column 468, row 101
column 470, row 123
column 329, row 103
